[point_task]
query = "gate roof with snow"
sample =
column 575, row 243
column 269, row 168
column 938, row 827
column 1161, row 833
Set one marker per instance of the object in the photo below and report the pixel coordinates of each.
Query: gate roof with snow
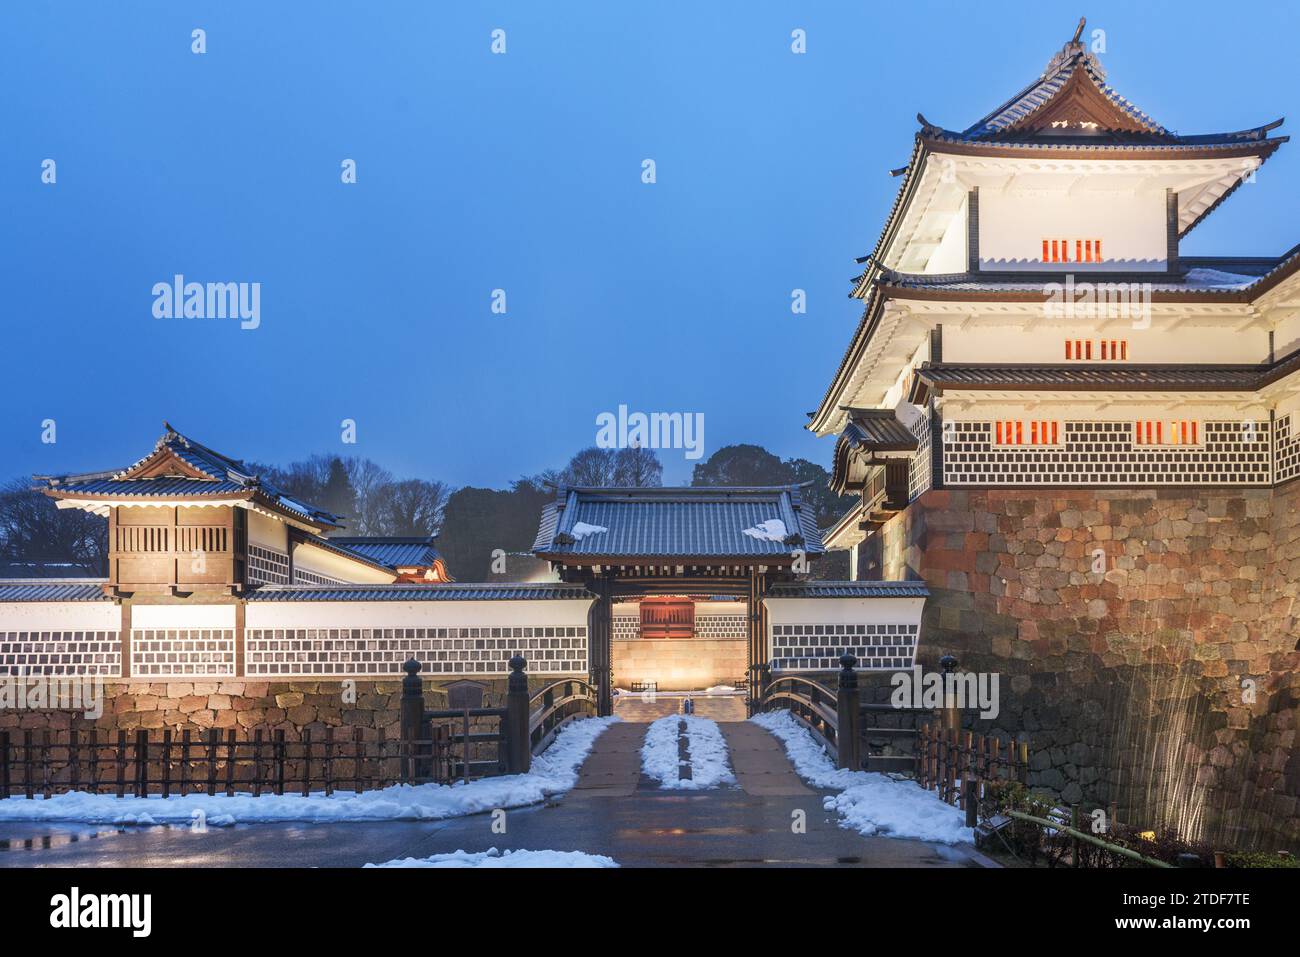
column 695, row 525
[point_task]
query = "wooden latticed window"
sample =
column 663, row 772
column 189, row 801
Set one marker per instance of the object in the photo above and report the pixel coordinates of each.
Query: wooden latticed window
column 1114, row 349
column 667, row 618
column 1160, row 432
column 1107, row 350
column 1072, row 250
column 1034, row 432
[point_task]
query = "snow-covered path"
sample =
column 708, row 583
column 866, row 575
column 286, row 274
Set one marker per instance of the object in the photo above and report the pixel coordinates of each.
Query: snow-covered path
column 494, row 858
column 701, row 764
column 868, row 802
column 610, row 812
column 553, row 772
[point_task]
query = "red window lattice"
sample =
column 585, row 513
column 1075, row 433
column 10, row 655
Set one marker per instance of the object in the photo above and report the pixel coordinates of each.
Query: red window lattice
column 1058, row 250
column 1037, row 432
column 1159, row 432
column 1109, row 350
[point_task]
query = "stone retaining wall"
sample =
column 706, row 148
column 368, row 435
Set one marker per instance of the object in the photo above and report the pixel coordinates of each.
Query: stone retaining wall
column 1146, row 641
column 290, row 706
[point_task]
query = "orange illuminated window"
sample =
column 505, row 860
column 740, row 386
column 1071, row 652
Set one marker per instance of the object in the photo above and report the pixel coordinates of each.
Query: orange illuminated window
column 1180, row 432
column 1058, row 250
column 1038, row 432
column 1110, row 350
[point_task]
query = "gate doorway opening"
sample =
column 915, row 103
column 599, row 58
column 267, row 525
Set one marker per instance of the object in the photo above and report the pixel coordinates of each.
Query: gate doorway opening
column 670, row 643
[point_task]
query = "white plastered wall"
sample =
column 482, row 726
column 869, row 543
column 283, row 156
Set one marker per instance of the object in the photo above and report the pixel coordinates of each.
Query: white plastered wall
column 1132, row 226
column 416, row 614
column 832, row 611
column 994, row 339
column 310, row 558
column 39, row 616
column 266, row 531
column 182, row 616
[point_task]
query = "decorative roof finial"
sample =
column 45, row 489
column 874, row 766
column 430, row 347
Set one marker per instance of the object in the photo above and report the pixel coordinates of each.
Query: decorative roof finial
column 1073, row 49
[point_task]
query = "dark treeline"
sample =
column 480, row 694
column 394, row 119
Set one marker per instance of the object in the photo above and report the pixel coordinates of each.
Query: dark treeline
column 38, row 539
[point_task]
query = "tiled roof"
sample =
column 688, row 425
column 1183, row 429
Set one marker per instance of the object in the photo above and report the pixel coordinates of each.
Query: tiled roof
column 1151, row 378
column 878, row 430
column 329, row 545
column 865, row 589
column 26, row 589
column 218, row 475
column 1201, row 279
column 676, row 522
column 1041, row 92
column 391, row 552
column 505, row 591
column 147, row 487
column 867, row 432
column 1213, row 142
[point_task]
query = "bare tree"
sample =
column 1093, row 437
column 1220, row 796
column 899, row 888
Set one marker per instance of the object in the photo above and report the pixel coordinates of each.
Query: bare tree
column 369, row 479
column 635, row 467
column 410, row 508
column 33, row 529
column 592, row 467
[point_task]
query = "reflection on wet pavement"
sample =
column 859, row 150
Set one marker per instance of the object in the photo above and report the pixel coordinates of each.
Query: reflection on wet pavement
column 770, row 819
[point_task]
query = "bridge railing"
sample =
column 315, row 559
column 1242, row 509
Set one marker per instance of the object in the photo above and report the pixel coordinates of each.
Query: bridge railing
column 523, row 728
column 553, row 707
column 812, row 702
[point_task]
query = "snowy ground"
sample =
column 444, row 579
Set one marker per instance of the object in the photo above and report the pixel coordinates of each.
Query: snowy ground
column 705, row 746
column 869, row 803
column 494, row 858
column 554, row 771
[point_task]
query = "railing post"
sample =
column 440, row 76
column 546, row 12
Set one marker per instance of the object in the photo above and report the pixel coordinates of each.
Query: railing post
column 412, row 716
column 519, row 752
column 951, row 712
column 848, row 731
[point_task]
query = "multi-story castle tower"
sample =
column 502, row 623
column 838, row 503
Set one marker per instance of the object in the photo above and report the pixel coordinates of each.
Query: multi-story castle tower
column 1085, row 443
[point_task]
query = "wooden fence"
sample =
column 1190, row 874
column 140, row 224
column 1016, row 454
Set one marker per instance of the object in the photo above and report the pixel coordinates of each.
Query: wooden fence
column 956, row 763
column 438, row 746
column 959, row 765
column 165, row 762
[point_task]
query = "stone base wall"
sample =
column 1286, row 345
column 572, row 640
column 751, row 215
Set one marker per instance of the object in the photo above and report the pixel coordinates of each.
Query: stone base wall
column 680, row 664
column 1146, row 642
column 290, row 706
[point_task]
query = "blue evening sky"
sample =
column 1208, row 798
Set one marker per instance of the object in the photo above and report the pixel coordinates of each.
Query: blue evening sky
column 521, row 172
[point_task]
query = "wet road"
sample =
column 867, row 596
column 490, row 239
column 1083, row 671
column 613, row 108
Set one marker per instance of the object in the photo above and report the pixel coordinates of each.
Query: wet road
column 770, row 818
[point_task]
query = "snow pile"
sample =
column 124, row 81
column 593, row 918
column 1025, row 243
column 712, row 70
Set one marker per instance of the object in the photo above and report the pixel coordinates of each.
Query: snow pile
column 708, row 754
column 659, row 752
column 553, row 771
column 1217, row 278
column 494, row 858
column 869, row 803
column 581, row 530
column 705, row 746
column 773, row 530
